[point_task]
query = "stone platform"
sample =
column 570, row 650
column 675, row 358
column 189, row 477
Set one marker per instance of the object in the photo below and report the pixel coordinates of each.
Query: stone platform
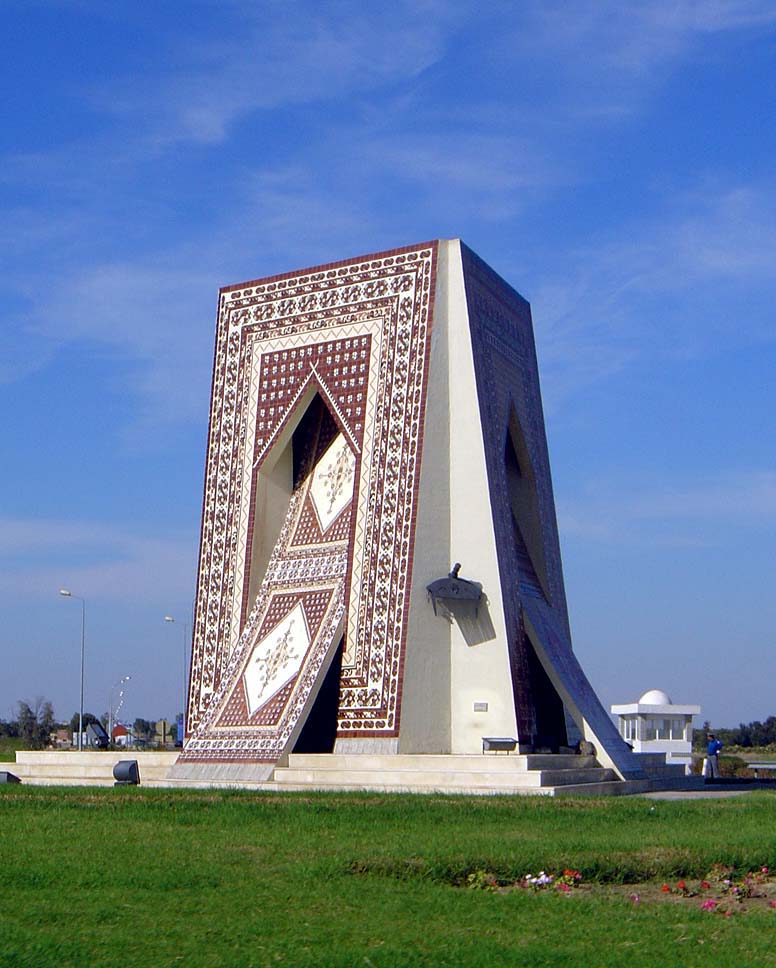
column 487, row 774
column 87, row 768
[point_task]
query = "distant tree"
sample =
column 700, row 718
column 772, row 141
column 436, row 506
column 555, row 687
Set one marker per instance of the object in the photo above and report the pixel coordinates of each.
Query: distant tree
column 144, row 729
column 35, row 722
column 699, row 736
column 9, row 728
column 745, row 734
column 728, row 737
column 88, row 718
column 46, row 719
column 756, row 733
column 26, row 721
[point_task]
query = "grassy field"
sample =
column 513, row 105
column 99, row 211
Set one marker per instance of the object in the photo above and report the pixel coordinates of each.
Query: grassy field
column 128, row 877
column 8, row 748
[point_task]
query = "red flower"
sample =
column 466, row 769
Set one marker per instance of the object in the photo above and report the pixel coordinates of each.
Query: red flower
column 705, row 885
column 681, row 885
column 665, row 889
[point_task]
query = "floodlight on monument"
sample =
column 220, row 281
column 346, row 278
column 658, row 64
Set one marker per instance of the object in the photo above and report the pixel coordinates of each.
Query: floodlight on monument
column 66, row 593
column 116, row 685
column 126, row 773
column 185, row 629
column 455, row 589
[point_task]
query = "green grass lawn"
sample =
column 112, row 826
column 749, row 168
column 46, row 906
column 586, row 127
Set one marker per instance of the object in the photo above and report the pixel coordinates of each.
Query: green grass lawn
column 129, row 877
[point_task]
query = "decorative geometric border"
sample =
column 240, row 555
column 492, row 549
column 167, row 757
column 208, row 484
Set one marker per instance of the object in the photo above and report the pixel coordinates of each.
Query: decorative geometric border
column 228, row 731
column 388, row 299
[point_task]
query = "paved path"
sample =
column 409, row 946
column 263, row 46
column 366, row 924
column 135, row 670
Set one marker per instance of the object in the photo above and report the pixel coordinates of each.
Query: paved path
column 713, row 792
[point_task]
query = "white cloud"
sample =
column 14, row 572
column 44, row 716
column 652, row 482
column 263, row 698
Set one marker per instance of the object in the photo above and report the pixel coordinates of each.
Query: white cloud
column 152, row 300
column 608, row 55
column 278, row 56
column 676, row 284
column 158, row 322
column 465, row 173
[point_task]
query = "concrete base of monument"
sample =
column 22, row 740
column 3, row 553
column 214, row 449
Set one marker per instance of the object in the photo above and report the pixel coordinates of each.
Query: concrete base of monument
column 229, row 774
column 483, row 774
column 157, row 769
column 88, row 768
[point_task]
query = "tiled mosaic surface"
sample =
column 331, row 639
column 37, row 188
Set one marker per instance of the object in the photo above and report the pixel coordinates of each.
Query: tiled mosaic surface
column 357, row 333
column 293, row 627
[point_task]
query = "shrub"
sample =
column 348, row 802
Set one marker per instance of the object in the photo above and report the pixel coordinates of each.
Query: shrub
column 734, row 766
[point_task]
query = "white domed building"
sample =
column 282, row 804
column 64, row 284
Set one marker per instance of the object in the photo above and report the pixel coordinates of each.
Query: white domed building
column 654, row 724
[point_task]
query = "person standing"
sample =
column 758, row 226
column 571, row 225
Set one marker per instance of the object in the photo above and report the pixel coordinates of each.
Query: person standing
column 713, row 746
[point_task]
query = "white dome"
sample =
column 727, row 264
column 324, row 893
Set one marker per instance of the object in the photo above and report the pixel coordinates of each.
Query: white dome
column 656, row 697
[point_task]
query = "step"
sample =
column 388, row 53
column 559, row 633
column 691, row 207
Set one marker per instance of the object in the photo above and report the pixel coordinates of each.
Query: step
column 173, row 783
column 615, row 788
column 580, row 789
column 488, row 774
column 493, row 762
column 82, row 772
column 93, row 757
column 605, row 788
column 64, row 781
column 442, row 778
column 69, row 767
column 598, row 774
column 679, row 782
column 376, row 787
column 665, row 770
column 77, row 771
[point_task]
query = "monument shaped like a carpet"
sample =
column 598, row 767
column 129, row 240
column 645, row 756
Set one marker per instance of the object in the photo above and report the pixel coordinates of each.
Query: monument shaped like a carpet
column 372, row 422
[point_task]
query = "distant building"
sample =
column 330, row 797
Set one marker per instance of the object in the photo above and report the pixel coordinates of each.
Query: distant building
column 120, row 735
column 162, row 736
column 60, row 739
column 654, row 724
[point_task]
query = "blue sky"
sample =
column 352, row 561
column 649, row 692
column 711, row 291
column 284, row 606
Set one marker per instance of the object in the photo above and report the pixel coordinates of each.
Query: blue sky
column 613, row 161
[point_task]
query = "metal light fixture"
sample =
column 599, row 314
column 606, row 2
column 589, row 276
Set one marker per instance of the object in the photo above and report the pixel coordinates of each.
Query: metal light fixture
column 115, row 685
column 455, row 589
column 69, row 594
column 126, row 773
column 185, row 628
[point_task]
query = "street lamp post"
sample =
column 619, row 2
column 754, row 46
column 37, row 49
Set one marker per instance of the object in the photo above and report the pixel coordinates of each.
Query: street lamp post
column 68, row 594
column 185, row 627
column 115, row 685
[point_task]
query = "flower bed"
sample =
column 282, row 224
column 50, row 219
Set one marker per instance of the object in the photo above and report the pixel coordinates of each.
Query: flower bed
column 722, row 891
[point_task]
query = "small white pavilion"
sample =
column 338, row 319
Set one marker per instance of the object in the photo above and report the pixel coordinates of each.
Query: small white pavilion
column 654, row 724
